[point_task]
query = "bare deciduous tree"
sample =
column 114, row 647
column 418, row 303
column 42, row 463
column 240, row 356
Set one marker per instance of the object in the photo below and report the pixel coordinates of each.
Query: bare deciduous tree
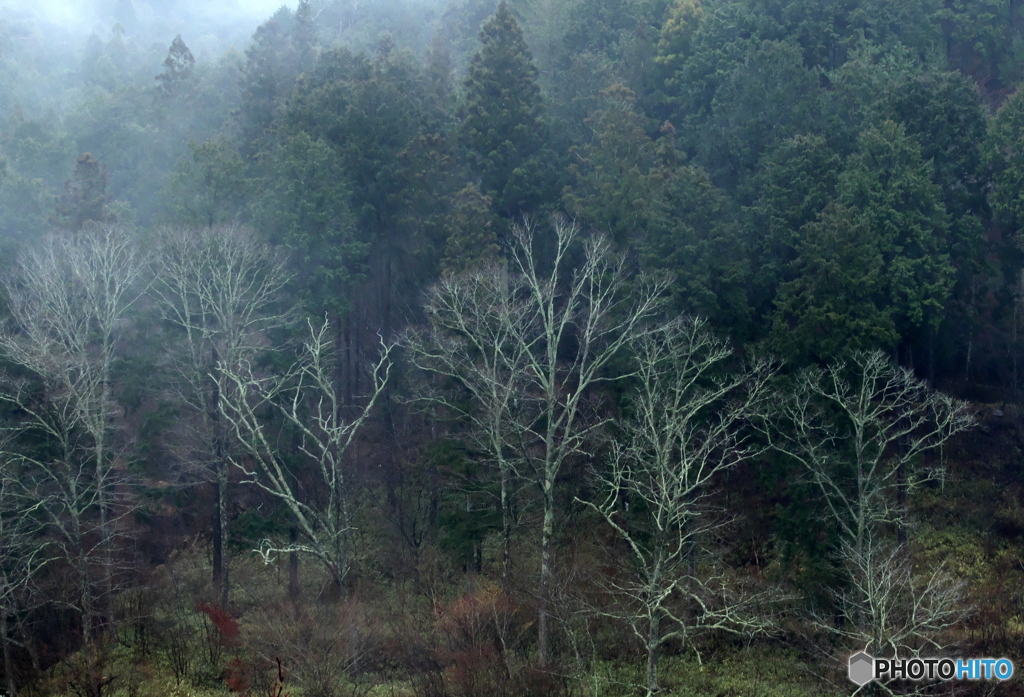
column 860, row 430
column 69, row 296
column 686, row 427
column 23, row 552
column 221, row 287
column 560, row 329
column 478, row 321
column 902, row 612
column 307, row 399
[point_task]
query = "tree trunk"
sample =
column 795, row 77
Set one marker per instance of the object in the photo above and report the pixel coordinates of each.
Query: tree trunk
column 12, row 688
column 293, row 565
column 506, row 528
column 106, row 537
column 223, row 519
column 653, row 652
column 218, row 564
column 221, row 561
column 87, row 610
column 901, row 503
column 543, row 625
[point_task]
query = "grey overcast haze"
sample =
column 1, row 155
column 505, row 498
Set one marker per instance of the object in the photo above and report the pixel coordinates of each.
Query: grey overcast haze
column 83, row 14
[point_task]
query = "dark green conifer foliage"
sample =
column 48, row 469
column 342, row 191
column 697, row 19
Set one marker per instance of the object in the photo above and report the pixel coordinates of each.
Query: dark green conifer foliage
column 874, row 270
column 766, row 97
column 267, row 78
column 831, row 305
column 795, row 181
column 85, row 196
column 430, row 180
column 613, row 174
column 209, row 186
column 501, row 119
column 305, row 208
column 304, row 37
column 472, row 241
column 437, row 76
column 179, row 67
column 693, row 233
column 889, row 185
column 1005, row 157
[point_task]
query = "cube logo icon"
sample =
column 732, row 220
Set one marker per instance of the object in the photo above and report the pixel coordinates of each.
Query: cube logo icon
column 862, row 668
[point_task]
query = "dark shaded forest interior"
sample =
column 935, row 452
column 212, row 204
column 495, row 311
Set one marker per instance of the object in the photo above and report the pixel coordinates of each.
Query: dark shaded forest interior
column 461, row 348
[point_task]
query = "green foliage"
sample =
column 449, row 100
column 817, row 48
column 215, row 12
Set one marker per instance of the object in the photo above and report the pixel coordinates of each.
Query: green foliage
column 305, row 209
column 267, row 78
column 37, row 151
column 983, row 40
column 875, row 267
column 473, row 240
column 832, row 304
column 210, row 187
column 368, row 111
column 468, row 508
column 765, row 97
column 675, row 45
column 501, row 119
column 795, row 181
column 859, row 84
column 1005, row 157
column 25, row 206
column 693, row 233
column 373, row 114
column 179, row 66
column 612, row 174
column 888, row 184
column 85, row 196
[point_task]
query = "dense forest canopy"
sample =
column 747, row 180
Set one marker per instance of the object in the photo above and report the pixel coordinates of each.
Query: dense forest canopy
column 517, row 347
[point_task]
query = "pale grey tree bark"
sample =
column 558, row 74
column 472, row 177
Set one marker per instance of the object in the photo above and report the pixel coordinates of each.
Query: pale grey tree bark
column 531, row 398
column 69, row 297
column 23, row 553
column 221, row 286
column 477, row 323
column 860, row 430
column 686, row 425
column 307, row 399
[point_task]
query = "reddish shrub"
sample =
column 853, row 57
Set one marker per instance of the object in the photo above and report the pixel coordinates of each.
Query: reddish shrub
column 235, row 677
column 227, row 626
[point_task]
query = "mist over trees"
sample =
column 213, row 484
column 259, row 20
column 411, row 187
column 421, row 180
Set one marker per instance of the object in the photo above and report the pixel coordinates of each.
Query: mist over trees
column 448, row 348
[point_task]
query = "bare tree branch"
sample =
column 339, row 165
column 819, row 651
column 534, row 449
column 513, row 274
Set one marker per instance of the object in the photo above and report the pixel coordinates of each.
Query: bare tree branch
column 307, row 400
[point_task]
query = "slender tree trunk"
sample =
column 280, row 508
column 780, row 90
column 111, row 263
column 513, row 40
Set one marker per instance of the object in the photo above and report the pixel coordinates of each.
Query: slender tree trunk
column 221, row 560
column 293, row 565
column 87, row 610
column 223, row 523
column 547, row 536
column 506, row 528
column 970, row 337
column 653, row 652
column 1014, row 347
column 106, row 536
column 932, row 338
column 218, row 563
column 12, row 687
column 30, row 647
column 348, row 358
column 901, row 503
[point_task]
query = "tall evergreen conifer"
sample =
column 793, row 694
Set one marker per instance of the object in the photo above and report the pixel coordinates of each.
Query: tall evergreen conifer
column 85, row 196
column 178, row 69
column 501, row 118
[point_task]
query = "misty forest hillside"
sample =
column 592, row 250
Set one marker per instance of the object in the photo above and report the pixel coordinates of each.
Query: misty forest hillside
column 466, row 348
